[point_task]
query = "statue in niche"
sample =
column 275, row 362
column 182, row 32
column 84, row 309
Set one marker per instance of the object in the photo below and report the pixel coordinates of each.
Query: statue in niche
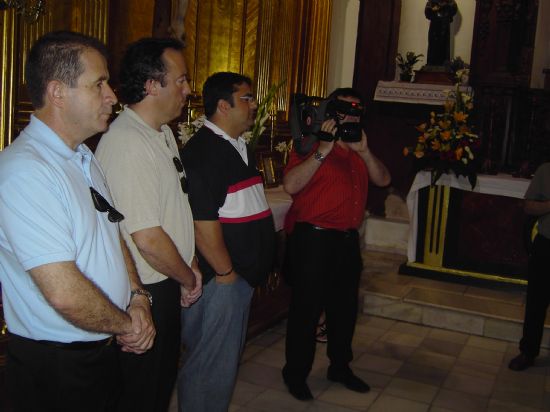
column 440, row 13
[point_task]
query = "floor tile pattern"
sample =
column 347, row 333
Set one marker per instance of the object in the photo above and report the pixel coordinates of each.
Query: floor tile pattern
column 410, row 367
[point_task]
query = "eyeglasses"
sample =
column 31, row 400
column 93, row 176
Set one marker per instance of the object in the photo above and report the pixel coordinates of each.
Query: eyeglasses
column 179, row 168
column 248, row 98
column 101, row 205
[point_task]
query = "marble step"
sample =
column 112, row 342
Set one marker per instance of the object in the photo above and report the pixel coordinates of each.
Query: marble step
column 490, row 313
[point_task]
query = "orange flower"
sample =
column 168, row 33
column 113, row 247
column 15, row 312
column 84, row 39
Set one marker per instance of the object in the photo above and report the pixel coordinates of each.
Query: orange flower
column 436, row 145
column 458, row 153
column 422, row 139
column 460, row 116
column 405, row 151
column 421, row 127
column 419, row 154
column 446, row 135
column 442, row 124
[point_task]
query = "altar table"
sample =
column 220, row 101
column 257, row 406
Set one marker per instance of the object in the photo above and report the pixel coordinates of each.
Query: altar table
column 435, row 234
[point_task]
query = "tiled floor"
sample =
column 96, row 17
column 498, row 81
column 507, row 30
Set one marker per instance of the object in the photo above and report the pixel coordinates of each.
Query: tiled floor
column 410, row 367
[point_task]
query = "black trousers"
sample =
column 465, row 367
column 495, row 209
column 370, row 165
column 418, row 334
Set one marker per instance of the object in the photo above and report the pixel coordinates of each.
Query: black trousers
column 325, row 268
column 538, row 297
column 44, row 378
column 149, row 378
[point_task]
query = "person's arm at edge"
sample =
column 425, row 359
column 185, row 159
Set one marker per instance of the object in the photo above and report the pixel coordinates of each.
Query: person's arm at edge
column 77, row 299
column 536, row 207
column 209, row 241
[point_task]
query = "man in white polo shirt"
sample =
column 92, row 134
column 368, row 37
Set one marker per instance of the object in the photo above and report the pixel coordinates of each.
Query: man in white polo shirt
column 142, row 165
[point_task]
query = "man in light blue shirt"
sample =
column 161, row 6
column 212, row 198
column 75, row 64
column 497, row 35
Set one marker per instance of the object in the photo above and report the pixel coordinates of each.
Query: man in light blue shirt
column 66, row 275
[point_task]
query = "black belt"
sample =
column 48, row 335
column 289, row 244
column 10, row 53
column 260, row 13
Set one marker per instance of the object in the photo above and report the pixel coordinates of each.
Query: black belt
column 343, row 232
column 78, row 345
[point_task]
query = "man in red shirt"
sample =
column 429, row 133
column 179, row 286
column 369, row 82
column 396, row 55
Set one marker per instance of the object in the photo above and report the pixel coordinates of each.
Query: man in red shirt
column 329, row 188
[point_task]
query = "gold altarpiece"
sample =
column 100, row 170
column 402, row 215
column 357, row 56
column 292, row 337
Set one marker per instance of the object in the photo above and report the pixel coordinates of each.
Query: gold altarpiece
column 268, row 40
column 86, row 16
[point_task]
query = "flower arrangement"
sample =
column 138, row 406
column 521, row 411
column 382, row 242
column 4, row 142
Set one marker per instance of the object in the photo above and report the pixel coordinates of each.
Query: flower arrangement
column 284, row 148
column 447, row 143
column 407, row 63
column 460, row 68
column 251, row 137
column 186, row 130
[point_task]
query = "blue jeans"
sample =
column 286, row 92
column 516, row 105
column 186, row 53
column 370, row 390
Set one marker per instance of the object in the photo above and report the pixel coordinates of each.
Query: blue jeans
column 214, row 333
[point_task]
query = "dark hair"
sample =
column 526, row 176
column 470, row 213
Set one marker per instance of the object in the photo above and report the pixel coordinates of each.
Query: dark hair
column 221, row 86
column 345, row 92
column 56, row 56
column 141, row 62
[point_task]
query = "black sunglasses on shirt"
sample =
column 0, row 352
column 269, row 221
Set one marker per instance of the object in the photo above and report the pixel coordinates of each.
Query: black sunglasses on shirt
column 101, row 205
column 179, row 168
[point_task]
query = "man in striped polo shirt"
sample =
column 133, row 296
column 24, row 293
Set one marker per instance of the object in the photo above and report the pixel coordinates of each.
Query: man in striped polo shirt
column 235, row 242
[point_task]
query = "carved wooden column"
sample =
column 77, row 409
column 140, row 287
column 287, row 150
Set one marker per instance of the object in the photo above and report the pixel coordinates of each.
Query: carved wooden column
column 502, row 57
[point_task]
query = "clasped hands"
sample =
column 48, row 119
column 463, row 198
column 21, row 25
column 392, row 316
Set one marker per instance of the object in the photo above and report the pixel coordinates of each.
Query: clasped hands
column 142, row 332
column 188, row 297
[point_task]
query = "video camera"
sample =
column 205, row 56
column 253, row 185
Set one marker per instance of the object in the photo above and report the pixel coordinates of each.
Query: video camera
column 307, row 114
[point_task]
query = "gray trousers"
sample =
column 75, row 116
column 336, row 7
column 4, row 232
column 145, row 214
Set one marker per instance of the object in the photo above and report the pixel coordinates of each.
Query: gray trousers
column 214, row 333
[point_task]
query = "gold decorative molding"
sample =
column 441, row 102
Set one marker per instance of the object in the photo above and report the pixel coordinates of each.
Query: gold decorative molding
column 268, row 40
column 436, row 225
column 85, row 16
column 7, row 76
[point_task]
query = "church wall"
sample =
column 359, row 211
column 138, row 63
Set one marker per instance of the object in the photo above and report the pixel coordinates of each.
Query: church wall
column 343, row 37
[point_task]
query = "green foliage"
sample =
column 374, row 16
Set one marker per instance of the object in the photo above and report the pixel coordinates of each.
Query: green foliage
column 407, row 63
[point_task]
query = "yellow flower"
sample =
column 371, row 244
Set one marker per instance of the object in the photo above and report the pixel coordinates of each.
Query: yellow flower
column 419, row 154
column 458, row 153
column 436, row 145
column 460, row 116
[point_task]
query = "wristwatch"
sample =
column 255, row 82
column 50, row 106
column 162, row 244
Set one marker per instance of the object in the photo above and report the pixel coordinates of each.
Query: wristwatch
column 319, row 156
column 142, row 292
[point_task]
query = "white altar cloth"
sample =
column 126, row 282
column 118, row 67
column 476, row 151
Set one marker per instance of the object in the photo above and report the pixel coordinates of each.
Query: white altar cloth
column 279, row 202
column 414, row 93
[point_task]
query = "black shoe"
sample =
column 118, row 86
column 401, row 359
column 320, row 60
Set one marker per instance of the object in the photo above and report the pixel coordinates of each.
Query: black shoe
column 299, row 390
column 521, row 362
column 349, row 380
